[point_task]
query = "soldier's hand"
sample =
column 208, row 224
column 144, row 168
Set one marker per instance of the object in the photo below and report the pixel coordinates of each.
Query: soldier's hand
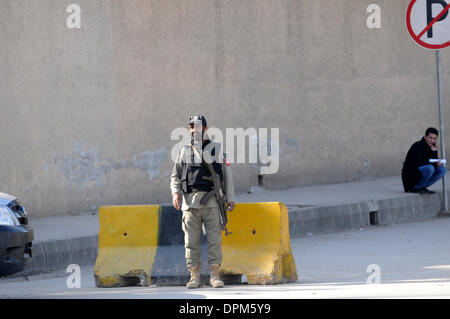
column 230, row 206
column 176, row 200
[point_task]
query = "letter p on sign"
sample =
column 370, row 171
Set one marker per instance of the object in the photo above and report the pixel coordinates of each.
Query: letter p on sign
column 428, row 23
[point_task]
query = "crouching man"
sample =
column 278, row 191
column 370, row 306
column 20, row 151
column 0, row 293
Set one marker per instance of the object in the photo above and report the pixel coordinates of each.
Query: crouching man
column 418, row 171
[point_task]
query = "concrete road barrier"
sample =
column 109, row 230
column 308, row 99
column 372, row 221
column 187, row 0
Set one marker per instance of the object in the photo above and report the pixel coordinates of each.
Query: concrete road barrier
column 143, row 245
column 258, row 244
column 128, row 239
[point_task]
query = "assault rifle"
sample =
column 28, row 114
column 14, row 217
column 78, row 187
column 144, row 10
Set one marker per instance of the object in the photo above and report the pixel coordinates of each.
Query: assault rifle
column 220, row 196
column 217, row 191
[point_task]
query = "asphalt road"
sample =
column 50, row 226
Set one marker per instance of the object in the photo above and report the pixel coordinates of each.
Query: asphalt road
column 398, row 261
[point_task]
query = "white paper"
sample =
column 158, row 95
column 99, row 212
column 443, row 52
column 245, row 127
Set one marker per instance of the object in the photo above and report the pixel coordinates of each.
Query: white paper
column 435, row 160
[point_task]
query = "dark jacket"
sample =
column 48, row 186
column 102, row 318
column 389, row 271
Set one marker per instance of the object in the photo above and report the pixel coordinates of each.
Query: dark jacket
column 418, row 155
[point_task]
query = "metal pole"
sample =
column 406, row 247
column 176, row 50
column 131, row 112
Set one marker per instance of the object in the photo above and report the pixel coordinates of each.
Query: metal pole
column 441, row 128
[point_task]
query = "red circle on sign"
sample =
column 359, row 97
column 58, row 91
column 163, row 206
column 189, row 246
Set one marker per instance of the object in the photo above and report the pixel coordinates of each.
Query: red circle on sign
column 414, row 36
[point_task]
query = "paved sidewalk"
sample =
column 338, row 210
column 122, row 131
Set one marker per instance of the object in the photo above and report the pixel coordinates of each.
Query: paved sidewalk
column 64, row 227
column 333, row 194
column 63, row 240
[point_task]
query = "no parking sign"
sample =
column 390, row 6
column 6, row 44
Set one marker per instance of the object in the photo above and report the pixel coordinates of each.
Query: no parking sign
column 428, row 23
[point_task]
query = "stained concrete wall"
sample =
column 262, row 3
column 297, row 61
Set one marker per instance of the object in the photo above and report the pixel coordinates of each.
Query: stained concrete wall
column 87, row 113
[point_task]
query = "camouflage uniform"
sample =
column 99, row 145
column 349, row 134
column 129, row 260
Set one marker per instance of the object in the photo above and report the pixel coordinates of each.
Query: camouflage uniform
column 195, row 213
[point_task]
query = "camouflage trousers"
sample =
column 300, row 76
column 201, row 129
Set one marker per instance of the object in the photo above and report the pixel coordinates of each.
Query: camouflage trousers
column 192, row 227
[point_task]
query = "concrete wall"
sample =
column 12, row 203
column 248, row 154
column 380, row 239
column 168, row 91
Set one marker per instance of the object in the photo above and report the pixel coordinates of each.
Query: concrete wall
column 87, row 113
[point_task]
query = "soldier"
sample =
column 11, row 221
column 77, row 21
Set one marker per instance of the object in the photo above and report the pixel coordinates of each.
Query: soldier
column 190, row 182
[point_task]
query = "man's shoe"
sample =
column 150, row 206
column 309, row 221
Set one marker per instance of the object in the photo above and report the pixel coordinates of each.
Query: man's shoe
column 195, row 277
column 427, row 191
column 214, row 280
column 420, row 191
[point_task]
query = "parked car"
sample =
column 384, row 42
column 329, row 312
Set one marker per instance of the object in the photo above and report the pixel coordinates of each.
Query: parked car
column 16, row 236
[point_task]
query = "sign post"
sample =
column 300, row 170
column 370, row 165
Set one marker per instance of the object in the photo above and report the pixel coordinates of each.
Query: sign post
column 441, row 126
column 428, row 23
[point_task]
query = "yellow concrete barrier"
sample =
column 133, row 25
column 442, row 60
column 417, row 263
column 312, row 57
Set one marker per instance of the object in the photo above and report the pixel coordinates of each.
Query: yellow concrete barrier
column 259, row 245
column 128, row 240
column 143, row 245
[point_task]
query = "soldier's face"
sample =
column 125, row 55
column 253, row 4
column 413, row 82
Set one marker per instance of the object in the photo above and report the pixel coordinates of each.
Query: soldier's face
column 196, row 132
column 196, row 128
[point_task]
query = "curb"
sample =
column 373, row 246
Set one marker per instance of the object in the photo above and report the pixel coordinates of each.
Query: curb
column 58, row 254
column 333, row 218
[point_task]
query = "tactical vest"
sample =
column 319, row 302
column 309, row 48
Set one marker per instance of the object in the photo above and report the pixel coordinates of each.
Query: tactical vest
column 195, row 176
